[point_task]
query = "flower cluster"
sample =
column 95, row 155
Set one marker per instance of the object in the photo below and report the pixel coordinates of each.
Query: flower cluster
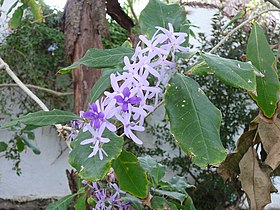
column 109, row 197
column 137, row 90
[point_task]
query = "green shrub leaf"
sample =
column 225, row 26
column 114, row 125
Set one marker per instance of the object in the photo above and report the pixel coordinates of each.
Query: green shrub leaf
column 194, row 121
column 43, row 118
column 232, row 72
column 93, row 168
column 101, row 58
column 157, row 13
column 131, row 176
column 261, row 56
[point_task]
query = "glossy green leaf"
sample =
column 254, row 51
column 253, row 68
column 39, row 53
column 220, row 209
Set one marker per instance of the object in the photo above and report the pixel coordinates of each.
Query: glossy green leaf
column 261, row 56
column 101, row 58
column 200, row 68
column 232, row 72
column 3, row 146
column 43, row 118
column 81, row 202
column 159, row 203
column 93, row 168
column 61, row 204
column 101, row 85
column 194, row 121
column 16, row 18
column 131, row 176
column 157, row 13
column 1, row 2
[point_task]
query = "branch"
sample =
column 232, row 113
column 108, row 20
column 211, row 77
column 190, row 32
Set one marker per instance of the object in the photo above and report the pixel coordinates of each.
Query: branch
column 55, row 93
column 116, row 12
column 60, row 129
column 5, row 66
column 274, row 3
column 240, row 26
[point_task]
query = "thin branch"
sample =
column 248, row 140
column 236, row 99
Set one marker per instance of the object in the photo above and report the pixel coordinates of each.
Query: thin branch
column 5, row 66
column 60, row 129
column 55, row 93
column 240, row 26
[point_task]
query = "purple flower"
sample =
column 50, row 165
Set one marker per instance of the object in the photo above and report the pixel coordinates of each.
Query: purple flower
column 93, row 114
column 97, row 140
column 126, row 99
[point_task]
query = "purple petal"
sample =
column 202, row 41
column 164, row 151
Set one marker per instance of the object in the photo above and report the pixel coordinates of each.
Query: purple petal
column 126, row 92
column 94, row 107
column 134, row 100
column 119, row 99
column 96, row 123
column 100, row 115
column 125, row 107
column 88, row 115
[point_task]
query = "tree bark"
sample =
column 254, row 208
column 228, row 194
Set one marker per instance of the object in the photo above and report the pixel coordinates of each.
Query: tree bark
column 84, row 24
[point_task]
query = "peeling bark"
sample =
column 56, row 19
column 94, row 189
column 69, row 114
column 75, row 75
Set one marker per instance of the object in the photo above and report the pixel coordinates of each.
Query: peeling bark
column 84, row 24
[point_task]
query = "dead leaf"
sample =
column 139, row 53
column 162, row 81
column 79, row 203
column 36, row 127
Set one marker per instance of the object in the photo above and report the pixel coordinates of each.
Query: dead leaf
column 255, row 182
column 270, row 138
column 230, row 166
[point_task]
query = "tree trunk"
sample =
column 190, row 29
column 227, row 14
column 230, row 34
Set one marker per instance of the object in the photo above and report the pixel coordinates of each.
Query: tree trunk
column 84, row 24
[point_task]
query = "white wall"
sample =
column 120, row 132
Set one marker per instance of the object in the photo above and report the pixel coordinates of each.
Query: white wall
column 43, row 176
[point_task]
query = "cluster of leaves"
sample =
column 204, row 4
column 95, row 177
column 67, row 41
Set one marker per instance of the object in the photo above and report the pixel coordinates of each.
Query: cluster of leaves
column 35, row 52
column 194, row 121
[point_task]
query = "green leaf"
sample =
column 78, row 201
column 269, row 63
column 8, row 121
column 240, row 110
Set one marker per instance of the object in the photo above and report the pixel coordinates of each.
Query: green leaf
column 131, row 176
column 232, row 72
column 179, row 184
column 43, row 118
column 101, row 85
column 261, row 56
column 239, row 15
column 1, row 3
column 36, row 10
column 200, row 68
column 194, row 121
column 172, row 194
column 188, row 204
column 159, row 203
column 94, row 169
column 136, row 203
column 16, row 18
column 19, row 143
column 31, row 146
column 154, row 169
column 61, row 204
column 3, row 146
column 81, row 202
column 101, row 58
column 157, row 13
